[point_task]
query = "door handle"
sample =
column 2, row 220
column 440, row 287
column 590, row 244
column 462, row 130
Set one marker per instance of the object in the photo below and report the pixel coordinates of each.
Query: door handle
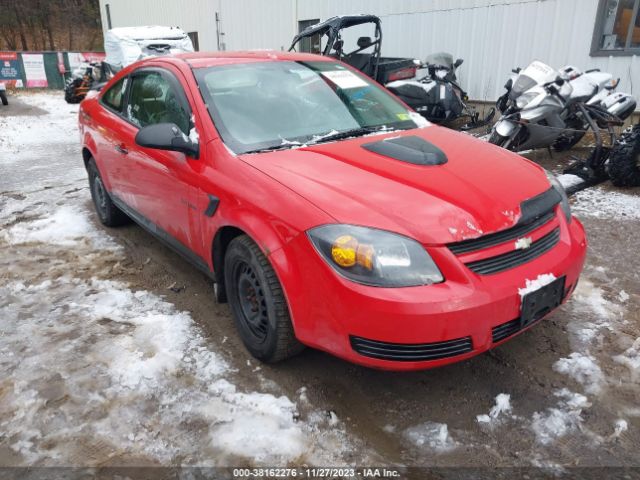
column 121, row 148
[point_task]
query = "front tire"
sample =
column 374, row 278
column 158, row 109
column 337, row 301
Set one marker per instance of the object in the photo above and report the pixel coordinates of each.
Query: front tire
column 258, row 303
column 3, row 98
column 108, row 213
column 624, row 161
column 498, row 139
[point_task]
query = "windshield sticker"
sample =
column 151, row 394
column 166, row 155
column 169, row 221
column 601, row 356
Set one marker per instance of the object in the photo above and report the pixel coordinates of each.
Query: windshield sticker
column 344, row 79
column 403, row 116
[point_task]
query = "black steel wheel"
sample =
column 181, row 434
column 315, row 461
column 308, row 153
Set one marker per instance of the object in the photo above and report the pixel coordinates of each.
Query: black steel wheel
column 624, row 161
column 108, row 213
column 258, row 303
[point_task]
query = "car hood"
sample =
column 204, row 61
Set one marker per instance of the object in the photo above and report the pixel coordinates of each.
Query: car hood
column 477, row 191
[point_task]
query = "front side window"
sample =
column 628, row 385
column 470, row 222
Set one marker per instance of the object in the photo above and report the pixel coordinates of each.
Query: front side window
column 265, row 105
column 617, row 28
column 154, row 100
column 113, row 97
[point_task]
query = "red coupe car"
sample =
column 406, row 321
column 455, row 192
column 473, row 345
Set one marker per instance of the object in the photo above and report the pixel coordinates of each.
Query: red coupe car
column 327, row 212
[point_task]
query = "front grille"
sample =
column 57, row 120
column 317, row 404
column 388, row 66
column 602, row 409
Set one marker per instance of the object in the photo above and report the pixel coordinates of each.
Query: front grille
column 505, row 330
column 512, row 259
column 411, row 352
column 497, row 238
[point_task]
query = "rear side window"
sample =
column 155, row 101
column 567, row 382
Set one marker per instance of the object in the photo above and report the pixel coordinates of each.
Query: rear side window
column 154, row 99
column 113, row 97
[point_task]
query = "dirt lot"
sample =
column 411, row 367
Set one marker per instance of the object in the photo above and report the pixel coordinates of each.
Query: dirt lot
column 85, row 382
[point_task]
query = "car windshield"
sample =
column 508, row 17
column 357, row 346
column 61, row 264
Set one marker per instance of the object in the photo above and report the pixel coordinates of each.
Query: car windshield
column 280, row 104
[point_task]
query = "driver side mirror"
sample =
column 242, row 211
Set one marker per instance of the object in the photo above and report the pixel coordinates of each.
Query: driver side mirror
column 167, row 136
column 458, row 62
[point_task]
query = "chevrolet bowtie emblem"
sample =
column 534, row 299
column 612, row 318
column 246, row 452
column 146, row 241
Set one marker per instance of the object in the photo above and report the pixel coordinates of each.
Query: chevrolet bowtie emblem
column 523, row 243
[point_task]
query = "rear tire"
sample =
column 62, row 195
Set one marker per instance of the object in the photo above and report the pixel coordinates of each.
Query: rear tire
column 3, row 97
column 108, row 213
column 624, row 161
column 258, row 303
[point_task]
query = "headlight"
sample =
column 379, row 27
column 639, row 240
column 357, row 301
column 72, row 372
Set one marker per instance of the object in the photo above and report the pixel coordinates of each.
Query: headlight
column 564, row 203
column 374, row 257
column 525, row 99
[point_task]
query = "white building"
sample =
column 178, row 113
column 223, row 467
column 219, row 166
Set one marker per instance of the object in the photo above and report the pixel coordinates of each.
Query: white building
column 492, row 36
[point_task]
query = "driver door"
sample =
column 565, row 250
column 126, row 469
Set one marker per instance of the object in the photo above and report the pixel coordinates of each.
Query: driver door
column 158, row 184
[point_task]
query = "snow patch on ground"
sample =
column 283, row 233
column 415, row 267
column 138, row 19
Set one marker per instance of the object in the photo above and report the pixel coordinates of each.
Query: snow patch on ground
column 64, row 227
column 560, row 420
column 584, row 369
column 600, row 203
column 432, row 435
column 501, row 409
column 138, row 364
column 536, row 284
column 93, row 369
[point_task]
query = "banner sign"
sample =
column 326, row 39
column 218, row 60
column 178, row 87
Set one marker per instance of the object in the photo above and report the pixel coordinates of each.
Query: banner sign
column 9, row 71
column 78, row 58
column 33, row 64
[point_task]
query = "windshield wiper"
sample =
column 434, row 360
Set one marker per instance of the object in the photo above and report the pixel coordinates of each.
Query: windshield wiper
column 354, row 132
column 279, row 146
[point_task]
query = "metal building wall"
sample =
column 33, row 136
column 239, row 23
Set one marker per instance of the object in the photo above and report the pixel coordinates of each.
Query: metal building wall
column 492, row 36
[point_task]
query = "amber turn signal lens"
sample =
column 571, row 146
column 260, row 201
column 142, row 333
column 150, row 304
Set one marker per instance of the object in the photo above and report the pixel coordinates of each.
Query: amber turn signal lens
column 347, row 252
column 343, row 251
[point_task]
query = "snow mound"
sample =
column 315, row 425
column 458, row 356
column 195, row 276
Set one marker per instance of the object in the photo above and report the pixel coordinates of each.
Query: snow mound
column 64, row 227
column 431, row 435
column 501, row 408
column 584, row 369
column 558, row 421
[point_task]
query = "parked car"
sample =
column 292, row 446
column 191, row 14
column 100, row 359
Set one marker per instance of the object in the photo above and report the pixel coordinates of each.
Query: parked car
column 327, row 213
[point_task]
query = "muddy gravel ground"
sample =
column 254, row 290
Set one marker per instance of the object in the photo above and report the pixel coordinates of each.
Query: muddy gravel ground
column 113, row 351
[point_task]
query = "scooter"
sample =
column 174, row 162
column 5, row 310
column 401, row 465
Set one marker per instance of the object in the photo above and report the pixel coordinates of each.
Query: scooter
column 437, row 96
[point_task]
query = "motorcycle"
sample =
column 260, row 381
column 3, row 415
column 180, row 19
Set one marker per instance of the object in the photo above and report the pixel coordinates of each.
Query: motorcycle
column 437, row 96
column 543, row 108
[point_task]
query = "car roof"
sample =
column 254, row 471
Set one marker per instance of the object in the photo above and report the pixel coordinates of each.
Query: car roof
column 210, row 59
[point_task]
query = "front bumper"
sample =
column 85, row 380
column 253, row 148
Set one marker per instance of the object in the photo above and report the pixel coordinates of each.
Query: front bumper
column 329, row 312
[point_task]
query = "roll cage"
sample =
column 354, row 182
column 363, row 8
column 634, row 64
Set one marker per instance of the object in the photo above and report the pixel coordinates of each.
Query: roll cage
column 332, row 28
